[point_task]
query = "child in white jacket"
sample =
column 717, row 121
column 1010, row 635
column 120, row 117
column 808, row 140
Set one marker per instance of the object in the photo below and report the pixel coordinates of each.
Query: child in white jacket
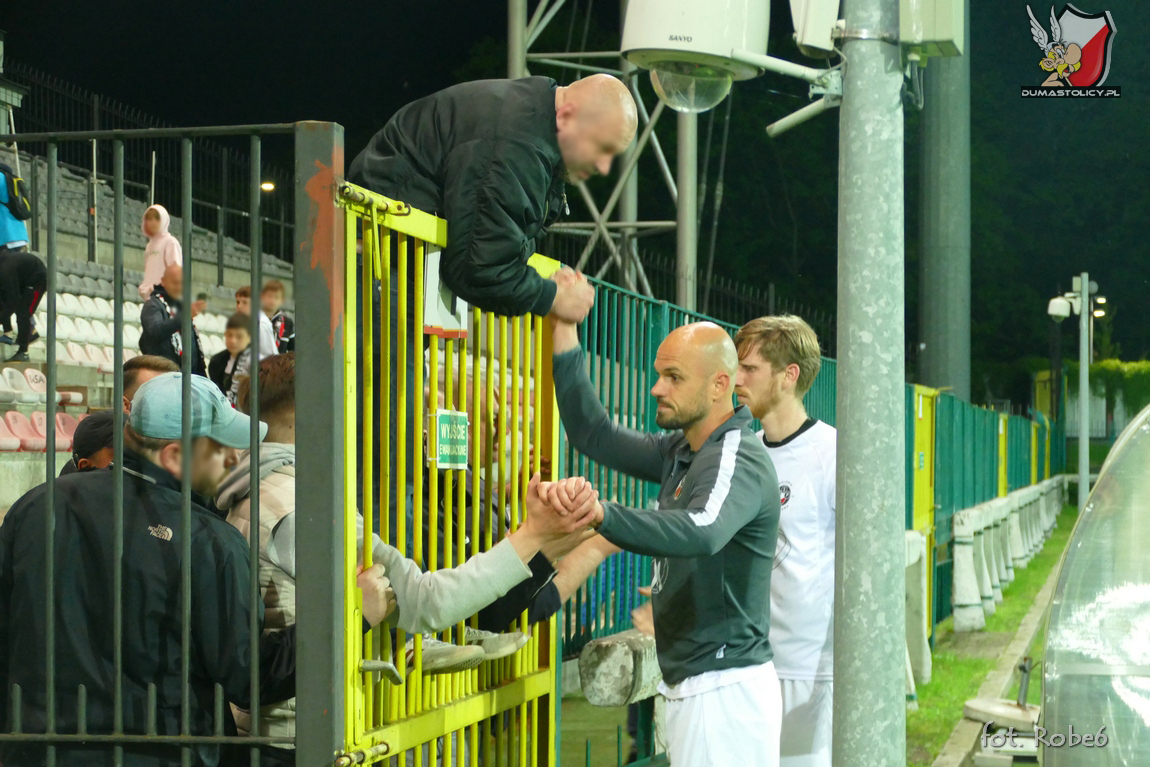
column 162, row 249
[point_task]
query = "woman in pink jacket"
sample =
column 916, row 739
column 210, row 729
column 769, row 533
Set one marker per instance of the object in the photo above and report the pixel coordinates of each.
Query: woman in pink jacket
column 162, row 249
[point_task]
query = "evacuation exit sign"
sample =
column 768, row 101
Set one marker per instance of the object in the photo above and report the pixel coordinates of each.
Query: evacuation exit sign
column 448, row 443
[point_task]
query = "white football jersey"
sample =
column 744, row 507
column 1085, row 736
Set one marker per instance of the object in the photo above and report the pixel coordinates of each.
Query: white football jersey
column 803, row 579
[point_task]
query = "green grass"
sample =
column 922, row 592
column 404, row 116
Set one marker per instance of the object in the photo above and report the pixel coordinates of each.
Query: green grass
column 600, row 725
column 961, row 662
column 1098, row 452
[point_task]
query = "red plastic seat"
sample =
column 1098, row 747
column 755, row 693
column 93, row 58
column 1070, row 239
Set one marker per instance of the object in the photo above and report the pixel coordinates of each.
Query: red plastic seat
column 9, row 442
column 66, row 425
column 21, row 428
column 40, row 426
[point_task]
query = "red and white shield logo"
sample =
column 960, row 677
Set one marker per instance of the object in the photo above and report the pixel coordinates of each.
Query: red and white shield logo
column 1094, row 33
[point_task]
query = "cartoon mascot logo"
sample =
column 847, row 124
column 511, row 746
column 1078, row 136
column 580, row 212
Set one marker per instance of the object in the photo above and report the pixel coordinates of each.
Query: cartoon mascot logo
column 1076, row 53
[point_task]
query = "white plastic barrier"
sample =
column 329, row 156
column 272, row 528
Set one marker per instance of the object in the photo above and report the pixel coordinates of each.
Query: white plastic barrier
column 994, row 539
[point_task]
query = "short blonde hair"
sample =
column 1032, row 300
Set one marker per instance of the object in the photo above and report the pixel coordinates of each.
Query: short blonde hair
column 783, row 340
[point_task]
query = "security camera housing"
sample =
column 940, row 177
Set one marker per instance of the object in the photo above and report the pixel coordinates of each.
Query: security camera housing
column 692, row 32
column 1059, row 308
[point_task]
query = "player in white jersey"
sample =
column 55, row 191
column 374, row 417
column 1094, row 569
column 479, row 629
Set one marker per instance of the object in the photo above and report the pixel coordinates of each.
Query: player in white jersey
column 778, row 361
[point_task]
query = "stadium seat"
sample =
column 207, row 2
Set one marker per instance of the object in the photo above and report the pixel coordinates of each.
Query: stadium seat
column 103, row 357
column 103, row 289
column 39, row 421
column 66, row 425
column 38, row 383
column 84, row 333
column 87, row 307
column 7, row 395
column 104, row 310
column 9, row 442
column 79, row 356
column 131, row 311
column 65, row 328
column 81, row 417
column 131, row 337
column 101, row 333
column 21, row 428
column 19, row 384
column 69, row 304
column 90, row 288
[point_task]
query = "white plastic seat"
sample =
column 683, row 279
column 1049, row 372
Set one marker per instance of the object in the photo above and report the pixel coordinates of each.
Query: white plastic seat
column 19, row 384
column 69, row 304
column 132, row 312
column 7, row 395
column 104, row 310
column 65, row 328
column 79, row 356
column 62, row 356
column 84, row 331
column 131, row 337
column 101, row 333
column 107, row 364
column 96, row 355
column 88, row 307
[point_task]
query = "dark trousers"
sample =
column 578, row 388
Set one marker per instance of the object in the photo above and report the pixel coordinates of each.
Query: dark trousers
column 18, row 297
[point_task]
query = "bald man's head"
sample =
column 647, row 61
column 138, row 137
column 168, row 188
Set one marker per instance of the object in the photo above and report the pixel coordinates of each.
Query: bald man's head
column 696, row 365
column 595, row 120
column 173, row 280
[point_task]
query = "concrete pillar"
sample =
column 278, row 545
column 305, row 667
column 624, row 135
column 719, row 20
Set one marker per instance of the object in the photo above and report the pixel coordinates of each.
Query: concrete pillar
column 944, row 264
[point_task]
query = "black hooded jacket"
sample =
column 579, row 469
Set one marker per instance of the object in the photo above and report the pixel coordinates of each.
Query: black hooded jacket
column 152, row 617
column 161, row 322
column 484, row 156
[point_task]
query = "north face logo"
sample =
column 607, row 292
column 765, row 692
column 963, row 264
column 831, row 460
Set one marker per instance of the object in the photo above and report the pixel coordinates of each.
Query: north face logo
column 161, row 532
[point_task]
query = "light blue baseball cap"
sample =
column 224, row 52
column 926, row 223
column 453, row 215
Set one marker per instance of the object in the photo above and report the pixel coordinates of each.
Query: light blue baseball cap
column 157, row 412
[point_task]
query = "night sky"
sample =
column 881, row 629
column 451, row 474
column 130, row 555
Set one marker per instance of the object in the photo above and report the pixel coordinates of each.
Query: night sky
column 1058, row 185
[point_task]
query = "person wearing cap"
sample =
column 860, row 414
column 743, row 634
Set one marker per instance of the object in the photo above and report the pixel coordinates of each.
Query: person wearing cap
column 219, row 619
column 92, row 446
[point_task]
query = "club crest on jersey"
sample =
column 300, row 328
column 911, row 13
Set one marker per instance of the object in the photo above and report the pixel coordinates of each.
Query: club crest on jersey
column 679, row 489
column 784, row 493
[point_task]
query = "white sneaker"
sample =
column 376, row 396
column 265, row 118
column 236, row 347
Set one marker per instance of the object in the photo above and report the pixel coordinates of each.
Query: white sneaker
column 443, row 658
column 495, row 645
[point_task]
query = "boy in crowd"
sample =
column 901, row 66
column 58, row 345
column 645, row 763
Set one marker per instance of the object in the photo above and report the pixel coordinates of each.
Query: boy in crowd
column 92, row 446
column 267, row 335
column 778, row 361
column 234, row 362
column 283, row 327
column 163, row 249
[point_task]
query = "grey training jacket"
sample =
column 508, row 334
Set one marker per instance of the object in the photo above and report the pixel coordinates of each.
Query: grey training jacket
column 712, row 535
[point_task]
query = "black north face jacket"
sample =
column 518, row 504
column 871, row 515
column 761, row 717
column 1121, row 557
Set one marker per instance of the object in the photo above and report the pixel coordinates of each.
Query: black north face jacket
column 152, row 618
column 484, row 156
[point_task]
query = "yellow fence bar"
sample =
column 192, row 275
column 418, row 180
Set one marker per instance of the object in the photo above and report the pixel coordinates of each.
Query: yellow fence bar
column 496, row 370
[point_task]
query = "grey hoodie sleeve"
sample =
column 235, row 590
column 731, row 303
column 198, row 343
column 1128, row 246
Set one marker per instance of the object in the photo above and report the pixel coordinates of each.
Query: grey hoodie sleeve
column 425, row 601
column 590, row 429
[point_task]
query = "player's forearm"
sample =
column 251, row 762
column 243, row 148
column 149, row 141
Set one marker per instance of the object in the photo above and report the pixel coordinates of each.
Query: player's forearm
column 660, row 533
column 575, row 568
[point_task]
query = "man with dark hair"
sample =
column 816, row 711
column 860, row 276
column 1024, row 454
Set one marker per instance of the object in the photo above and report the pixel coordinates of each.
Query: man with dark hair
column 267, row 336
column 92, row 446
column 219, row 620
column 162, row 322
column 231, row 364
column 271, row 301
column 140, row 369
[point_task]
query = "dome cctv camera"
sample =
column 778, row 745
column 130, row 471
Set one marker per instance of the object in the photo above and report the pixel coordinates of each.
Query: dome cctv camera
column 1059, row 308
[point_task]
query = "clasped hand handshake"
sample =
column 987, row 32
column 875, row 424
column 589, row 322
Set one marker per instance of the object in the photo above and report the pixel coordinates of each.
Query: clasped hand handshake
column 560, row 508
column 574, row 296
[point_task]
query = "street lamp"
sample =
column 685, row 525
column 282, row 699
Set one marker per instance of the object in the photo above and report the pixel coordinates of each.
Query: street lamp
column 1060, row 307
column 268, row 186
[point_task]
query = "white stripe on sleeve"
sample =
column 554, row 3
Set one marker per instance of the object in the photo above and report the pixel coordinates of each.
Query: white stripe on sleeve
column 722, row 486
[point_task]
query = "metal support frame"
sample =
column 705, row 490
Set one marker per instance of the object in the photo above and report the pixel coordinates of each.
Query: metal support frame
column 1085, row 314
column 687, row 245
column 522, row 34
column 321, row 283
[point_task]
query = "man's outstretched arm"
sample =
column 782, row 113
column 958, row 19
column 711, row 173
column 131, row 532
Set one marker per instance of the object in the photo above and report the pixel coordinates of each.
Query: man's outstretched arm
column 590, row 429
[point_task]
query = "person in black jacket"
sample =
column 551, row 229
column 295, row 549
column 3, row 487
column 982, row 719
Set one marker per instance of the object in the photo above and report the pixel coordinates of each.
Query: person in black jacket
column 161, row 322
column 492, row 157
column 23, row 279
column 153, row 621
column 227, row 367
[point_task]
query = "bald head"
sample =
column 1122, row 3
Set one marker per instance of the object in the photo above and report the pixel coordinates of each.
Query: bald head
column 173, row 280
column 595, row 120
column 696, row 364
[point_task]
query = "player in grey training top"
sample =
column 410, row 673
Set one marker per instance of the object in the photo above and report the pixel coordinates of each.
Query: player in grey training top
column 712, row 538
